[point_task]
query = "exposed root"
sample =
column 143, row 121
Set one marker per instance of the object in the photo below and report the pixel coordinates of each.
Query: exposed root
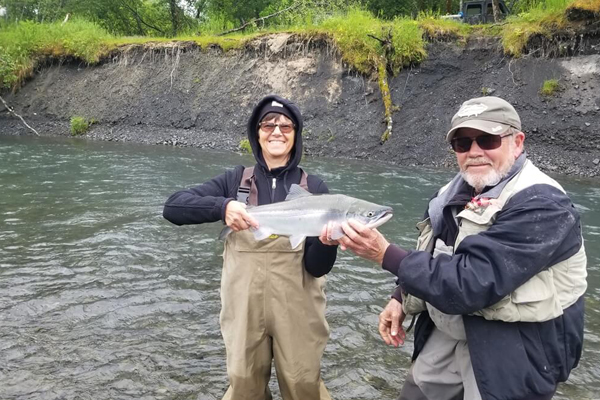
column 10, row 110
column 175, row 65
column 387, row 100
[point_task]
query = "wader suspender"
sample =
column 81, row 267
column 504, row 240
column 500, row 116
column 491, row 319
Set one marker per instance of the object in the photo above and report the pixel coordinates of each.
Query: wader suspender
column 247, row 192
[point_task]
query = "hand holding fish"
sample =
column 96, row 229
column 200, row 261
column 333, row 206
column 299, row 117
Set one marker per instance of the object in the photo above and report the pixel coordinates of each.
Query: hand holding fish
column 365, row 242
column 302, row 215
column 237, row 218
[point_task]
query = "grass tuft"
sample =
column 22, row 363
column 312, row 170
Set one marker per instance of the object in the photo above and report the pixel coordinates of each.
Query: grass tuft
column 443, row 29
column 245, row 146
column 80, row 125
column 588, row 5
column 550, row 87
column 544, row 19
column 363, row 39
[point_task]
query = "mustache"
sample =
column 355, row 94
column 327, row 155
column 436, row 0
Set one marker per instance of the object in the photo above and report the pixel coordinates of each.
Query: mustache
column 477, row 161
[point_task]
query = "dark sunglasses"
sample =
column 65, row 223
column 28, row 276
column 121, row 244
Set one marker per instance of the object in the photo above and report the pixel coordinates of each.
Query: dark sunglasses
column 269, row 127
column 485, row 142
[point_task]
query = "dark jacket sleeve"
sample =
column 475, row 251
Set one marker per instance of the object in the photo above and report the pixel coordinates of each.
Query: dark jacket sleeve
column 537, row 228
column 204, row 203
column 318, row 257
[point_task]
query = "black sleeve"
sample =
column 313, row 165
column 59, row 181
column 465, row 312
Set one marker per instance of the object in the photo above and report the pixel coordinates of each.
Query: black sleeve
column 204, row 203
column 537, row 228
column 318, row 257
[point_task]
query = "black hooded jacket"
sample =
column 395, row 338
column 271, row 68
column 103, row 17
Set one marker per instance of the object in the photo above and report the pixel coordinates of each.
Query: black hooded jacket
column 207, row 202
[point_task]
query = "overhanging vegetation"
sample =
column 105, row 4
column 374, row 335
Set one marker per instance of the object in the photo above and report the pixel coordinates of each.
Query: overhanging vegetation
column 364, row 41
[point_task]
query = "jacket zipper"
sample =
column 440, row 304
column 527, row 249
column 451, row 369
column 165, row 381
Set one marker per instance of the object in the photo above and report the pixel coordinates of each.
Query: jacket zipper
column 273, row 186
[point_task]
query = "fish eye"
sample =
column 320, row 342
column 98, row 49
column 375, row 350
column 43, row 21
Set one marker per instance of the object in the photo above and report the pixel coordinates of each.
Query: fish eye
column 370, row 214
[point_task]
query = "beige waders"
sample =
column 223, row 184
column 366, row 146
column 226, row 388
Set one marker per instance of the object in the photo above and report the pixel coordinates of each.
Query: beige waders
column 271, row 308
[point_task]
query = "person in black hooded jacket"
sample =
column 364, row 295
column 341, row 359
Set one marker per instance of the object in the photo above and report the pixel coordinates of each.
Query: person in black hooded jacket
column 273, row 301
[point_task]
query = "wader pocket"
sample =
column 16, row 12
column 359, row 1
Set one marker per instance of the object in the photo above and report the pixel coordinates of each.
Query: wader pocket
column 244, row 241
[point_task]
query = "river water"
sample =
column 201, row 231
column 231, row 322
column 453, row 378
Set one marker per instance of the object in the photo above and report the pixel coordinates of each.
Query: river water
column 101, row 298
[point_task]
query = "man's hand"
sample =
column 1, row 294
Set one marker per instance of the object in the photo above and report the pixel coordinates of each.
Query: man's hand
column 363, row 241
column 237, row 218
column 390, row 323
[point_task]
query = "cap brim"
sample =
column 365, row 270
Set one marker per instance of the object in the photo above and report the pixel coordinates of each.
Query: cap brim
column 493, row 128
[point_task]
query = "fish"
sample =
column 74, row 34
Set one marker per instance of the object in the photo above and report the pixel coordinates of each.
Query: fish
column 304, row 214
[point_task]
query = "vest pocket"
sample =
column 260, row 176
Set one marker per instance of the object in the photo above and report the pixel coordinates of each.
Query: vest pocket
column 539, row 288
column 534, row 301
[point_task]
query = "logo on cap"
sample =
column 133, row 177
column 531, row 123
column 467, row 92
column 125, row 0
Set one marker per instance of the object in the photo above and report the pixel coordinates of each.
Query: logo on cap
column 471, row 110
column 276, row 104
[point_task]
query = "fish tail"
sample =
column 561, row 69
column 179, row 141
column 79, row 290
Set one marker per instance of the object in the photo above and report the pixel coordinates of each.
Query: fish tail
column 226, row 231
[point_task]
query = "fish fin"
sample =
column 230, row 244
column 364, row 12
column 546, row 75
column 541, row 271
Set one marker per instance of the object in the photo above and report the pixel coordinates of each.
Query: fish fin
column 261, row 233
column 224, row 233
column 296, row 192
column 296, row 240
column 337, row 232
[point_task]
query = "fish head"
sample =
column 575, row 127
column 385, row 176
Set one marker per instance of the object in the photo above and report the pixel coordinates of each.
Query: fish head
column 370, row 214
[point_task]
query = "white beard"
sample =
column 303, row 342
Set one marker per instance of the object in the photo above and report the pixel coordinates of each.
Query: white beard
column 492, row 178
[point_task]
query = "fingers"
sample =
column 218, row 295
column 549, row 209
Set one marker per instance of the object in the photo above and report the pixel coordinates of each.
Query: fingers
column 237, row 218
column 250, row 220
column 361, row 229
column 384, row 329
column 325, row 236
column 390, row 324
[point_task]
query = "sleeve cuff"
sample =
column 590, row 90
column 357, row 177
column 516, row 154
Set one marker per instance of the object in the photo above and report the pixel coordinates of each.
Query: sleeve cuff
column 398, row 294
column 224, row 207
column 392, row 258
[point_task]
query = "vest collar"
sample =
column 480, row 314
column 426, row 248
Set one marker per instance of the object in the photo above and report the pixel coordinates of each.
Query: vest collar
column 457, row 185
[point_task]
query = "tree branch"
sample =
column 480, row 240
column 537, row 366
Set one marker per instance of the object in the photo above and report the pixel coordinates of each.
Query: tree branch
column 10, row 110
column 261, row 19
column 139, row 17
column 382, row 41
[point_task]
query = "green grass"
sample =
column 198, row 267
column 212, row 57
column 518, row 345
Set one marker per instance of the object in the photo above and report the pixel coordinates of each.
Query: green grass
column 444, row 29
column 544, row 19
column 354, row 33
column 80, row 125
column 22, row 44
column 589, row 5
column 245, row 146
column 549, row 87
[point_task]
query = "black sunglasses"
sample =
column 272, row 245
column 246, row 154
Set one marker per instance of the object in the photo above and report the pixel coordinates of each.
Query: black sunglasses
column 485, row 142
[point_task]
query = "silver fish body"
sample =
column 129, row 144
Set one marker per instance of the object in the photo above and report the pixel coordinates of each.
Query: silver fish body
column 303, row 214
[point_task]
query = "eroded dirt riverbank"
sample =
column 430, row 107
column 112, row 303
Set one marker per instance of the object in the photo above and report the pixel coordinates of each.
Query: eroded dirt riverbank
column 180, row 95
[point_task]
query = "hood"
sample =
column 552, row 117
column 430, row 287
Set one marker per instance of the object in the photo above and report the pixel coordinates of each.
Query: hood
column 296, row 154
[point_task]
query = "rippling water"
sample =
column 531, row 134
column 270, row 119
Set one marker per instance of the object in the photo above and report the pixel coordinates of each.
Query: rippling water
column 100, row 298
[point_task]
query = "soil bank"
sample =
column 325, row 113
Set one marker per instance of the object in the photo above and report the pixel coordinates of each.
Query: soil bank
column 180, row 95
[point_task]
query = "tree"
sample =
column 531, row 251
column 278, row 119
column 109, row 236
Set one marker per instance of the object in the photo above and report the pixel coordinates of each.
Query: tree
column 496, row 10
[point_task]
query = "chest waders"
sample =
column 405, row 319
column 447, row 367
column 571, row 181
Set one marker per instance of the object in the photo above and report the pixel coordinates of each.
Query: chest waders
column 272, row 308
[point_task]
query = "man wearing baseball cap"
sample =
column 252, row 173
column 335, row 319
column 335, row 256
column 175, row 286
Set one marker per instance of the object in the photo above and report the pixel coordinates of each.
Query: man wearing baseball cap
column 498, row 275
